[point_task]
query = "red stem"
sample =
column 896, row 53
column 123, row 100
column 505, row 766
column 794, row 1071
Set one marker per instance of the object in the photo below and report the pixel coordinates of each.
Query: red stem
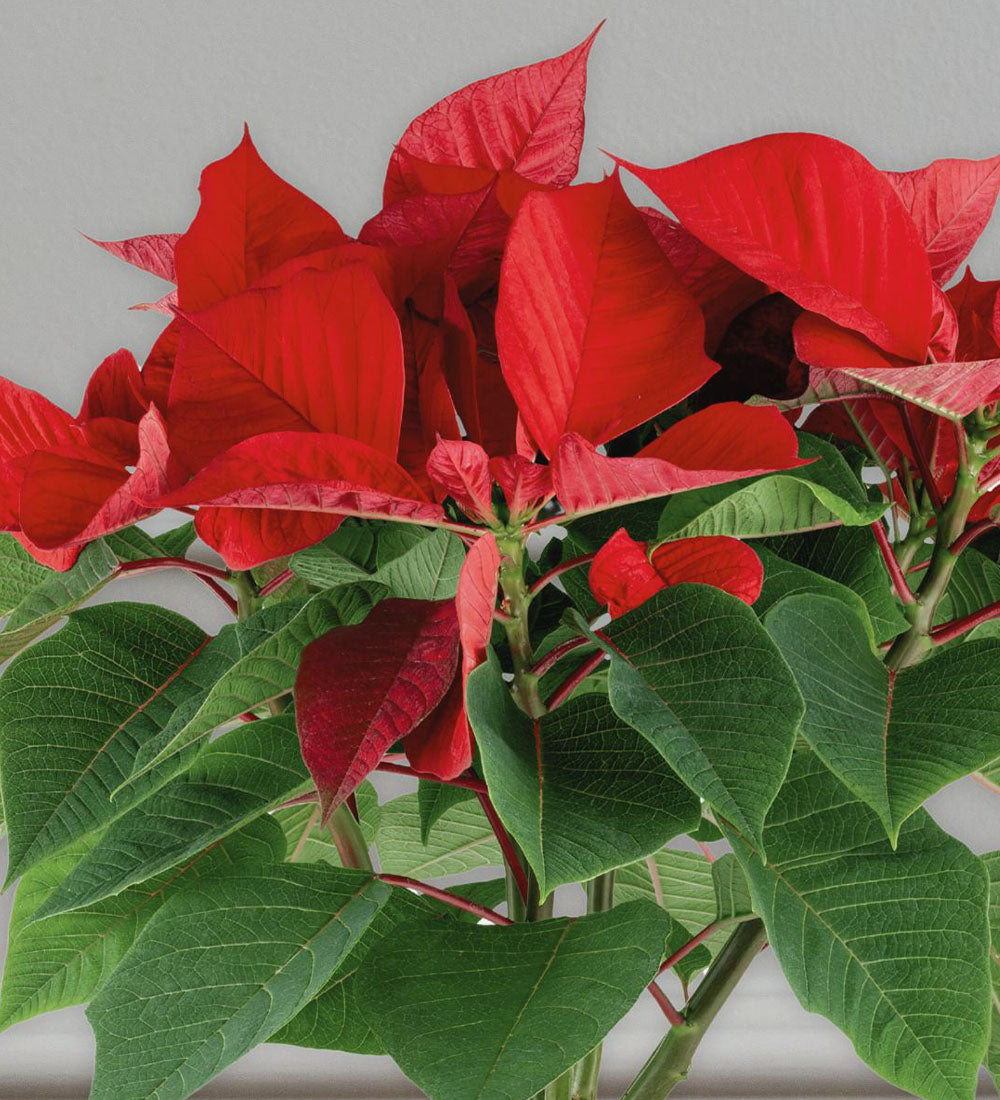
column 671, row 1013
column 574, row 680
column 176, row 563
column 467, row 782
column 556, row 654
column 896, row 573
column 558, row 570
column 220, row 592
column 691, row 944
column 506, row 845
column 275, row 583
column 449, row 899
column 921, row 459
column 947, row 631
column 970, row 534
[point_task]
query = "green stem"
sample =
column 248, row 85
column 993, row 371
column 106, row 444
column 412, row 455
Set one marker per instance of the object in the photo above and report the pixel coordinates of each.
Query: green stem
column 351, row 844
column 669, row 1064
column 517, row 599
column 246, row 595
column 600, row 898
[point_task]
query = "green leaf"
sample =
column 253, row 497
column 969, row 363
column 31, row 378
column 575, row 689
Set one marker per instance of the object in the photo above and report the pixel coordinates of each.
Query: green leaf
column 194, row 993
column 732, row 891
column 231, row 782
column 891, row 946
column 850, row 556
column 64, row 960
column 579, row 790
column 893, row 738
column 253, row 662
column 991, row 861
column 503, row 1011
column 823, row 494
column 462, row 842
column 19, row 572
column 785, row 578
column 176, row 542
column 436, row 799
column 695, row 673
column 974, row 583
column 74, row 710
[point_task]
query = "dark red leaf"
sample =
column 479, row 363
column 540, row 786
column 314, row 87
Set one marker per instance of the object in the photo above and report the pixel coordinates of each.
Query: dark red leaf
column 596, row 334
column 250, row 221
column 359, row 689
column 810, row 217
column 442, row 744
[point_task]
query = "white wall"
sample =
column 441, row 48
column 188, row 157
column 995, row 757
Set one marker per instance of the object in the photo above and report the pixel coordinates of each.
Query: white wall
column 109, row 109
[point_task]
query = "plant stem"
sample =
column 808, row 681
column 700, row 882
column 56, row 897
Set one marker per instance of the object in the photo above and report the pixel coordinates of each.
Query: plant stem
column 350, row 841
column 246, row 595
column 517, row 600
column 669, row 1064
column 446, row 896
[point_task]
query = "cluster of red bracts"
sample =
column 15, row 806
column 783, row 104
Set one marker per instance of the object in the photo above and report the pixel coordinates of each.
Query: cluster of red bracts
column 496, row 324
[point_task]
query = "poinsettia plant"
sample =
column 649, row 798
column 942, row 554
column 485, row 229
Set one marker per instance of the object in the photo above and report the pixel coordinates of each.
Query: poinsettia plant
column 658, row 552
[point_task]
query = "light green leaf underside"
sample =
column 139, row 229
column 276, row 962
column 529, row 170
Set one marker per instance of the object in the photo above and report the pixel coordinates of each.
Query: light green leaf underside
column 823, row 494
column 219, row 969
column 890, row 946
column 503, row 1011
column 462, row 841
column 702, row 681
column 436, row 799
column 232, row 781
column 250, row 663
column 580, row 791
column 992, row 863
column 76, row 708
column 892, row 738
column 64, row 960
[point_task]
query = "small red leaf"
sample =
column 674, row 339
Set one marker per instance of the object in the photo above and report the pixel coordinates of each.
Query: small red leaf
column 950, row 202
column 116, row 389
column 289, row 358
column 623, row 576
column 442, row 744
column 596, row 334
column 722, row 443
column 529, row 119
column 476, row 600
column 462, row 470
column 359, row 689
column 250, row 221
column 153, row 253
column 810, row 217
column 526, row 485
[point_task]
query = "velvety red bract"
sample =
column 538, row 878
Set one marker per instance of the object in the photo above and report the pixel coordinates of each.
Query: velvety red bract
column 153, row 253
column 271, row 494
column 624, row 575
column 476, row 600
column 722, row 443
column 595, row 332
column 950, row 202
column 359, row 689
column 529, row 119
column 812, row 218
column 462, row 470
column 158, row 366
column 249, row 222
column 441, row 746
column 289, row 358
column 74, row 493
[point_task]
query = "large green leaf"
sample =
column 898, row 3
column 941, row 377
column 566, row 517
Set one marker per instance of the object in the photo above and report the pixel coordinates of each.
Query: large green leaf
column 220, row 968
column 893, row 738
column 19, row 572
column 892, row 946
column 462, row 841
column 251, row 663
column 695, row 673
column 232, row 781
column 850, row 556
column 992, row 1062
column 64, row 960
column 503, row 1011
column 823, row 494
column 74, row 711
column 974, row 583
column 579, row 790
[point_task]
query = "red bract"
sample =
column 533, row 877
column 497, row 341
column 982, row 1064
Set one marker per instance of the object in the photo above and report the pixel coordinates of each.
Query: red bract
column 624, row 574
column 462, row 469
column 153, row 253
column 785, row 208
column 250, row 221
column 359, row 689
column 595, row 332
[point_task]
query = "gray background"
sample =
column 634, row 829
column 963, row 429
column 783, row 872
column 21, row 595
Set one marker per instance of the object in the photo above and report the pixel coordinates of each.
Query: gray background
column 109, row 109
